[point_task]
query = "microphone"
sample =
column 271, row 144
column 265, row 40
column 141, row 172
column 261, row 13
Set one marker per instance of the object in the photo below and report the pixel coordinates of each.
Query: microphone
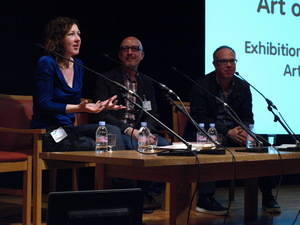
column 276, row 117
column 182, row 108
column 189, row 146
column 227, row 108
column 92, row 71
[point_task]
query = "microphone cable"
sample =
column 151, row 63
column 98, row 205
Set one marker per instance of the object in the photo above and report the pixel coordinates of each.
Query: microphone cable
column 169, row 91
column 233, row 115
column 295, row 220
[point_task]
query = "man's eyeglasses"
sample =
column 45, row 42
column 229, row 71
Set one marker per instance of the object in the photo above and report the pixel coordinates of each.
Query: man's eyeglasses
column 133, row 48
column 226, row 61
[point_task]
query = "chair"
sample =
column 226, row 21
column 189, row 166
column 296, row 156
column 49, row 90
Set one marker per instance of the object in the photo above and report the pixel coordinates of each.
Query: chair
column 19, row 162
column 15, row 136
column 180, row 121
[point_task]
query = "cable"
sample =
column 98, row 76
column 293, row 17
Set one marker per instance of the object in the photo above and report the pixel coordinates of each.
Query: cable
column 295, row 220
column 196, row 189
column 232, row 180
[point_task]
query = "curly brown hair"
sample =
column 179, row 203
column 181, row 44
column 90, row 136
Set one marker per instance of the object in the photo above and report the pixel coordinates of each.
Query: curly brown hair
column 55, row 32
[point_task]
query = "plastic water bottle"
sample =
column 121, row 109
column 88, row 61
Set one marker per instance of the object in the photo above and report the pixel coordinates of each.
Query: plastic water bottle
column 101, row 137
column 200, row 137
column 212, row 131
column 143, row 139
column 250, row 143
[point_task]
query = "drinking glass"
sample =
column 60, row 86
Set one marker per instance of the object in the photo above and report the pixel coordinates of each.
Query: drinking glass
column 220, row 139
column 111, row 141
column 272, row 139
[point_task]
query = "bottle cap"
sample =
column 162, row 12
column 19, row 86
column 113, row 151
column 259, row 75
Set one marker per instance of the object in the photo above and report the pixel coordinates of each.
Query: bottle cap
column 143, row 124
column 212, row 125
column 101, row 123
column 201, row 125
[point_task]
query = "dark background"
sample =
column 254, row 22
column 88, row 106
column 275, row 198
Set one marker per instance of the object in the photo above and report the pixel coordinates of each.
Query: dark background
column 171, row 36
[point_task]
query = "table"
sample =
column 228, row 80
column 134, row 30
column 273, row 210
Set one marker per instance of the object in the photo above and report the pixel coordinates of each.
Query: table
column 182, row 171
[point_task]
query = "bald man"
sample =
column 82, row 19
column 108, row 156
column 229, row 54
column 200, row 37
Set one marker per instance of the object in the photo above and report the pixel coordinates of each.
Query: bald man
column 130, row 54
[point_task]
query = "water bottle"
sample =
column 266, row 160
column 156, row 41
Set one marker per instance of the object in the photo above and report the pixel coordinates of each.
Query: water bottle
column 212, row 132
column 200, row 137
column 101, row 137
column 250, row 143
column 143, row 139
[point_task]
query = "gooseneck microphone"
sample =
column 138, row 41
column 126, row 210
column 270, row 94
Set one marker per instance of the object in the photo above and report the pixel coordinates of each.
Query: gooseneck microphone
column 227, row 108
column 188, row 145
column 276, row 117
column 182, row 108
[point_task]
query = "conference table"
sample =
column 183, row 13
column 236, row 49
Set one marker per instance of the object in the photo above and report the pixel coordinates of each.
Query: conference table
column 181, row 171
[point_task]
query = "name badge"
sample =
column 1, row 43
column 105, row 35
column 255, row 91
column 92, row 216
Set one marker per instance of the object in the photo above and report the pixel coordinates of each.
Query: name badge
column 58, row 134
column 147, row 105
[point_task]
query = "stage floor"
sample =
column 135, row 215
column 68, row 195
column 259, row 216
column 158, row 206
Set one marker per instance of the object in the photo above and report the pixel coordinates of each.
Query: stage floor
column 289, row 199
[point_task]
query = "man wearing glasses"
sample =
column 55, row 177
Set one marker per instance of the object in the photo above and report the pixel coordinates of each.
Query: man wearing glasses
column 205, row 108
column 130, row 55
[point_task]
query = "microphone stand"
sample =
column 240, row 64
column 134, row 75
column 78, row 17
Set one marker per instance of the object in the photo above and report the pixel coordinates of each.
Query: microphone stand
column 186, row 113
column 188, row 145
column 270, row 108
column 169, row 91
column 227, row 108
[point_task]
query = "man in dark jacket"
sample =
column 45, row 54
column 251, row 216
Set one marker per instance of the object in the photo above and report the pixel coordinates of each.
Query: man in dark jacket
column 206, row 109
column 130, row 54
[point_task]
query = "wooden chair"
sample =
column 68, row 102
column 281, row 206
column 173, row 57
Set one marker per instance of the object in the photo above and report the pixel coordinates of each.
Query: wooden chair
column 19, row 162
column 15, row 118
column 179, row 124
column 178, row 118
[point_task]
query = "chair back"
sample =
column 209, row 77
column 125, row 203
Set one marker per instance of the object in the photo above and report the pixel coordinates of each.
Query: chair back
column 179, row 118
column 15, row 112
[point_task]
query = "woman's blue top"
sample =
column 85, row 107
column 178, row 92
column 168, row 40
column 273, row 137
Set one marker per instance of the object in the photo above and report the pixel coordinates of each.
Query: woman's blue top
column 52, row 94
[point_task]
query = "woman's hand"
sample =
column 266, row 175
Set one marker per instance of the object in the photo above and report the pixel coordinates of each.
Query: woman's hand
column 99, row 106
column 111, row 104
column 85, row 106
